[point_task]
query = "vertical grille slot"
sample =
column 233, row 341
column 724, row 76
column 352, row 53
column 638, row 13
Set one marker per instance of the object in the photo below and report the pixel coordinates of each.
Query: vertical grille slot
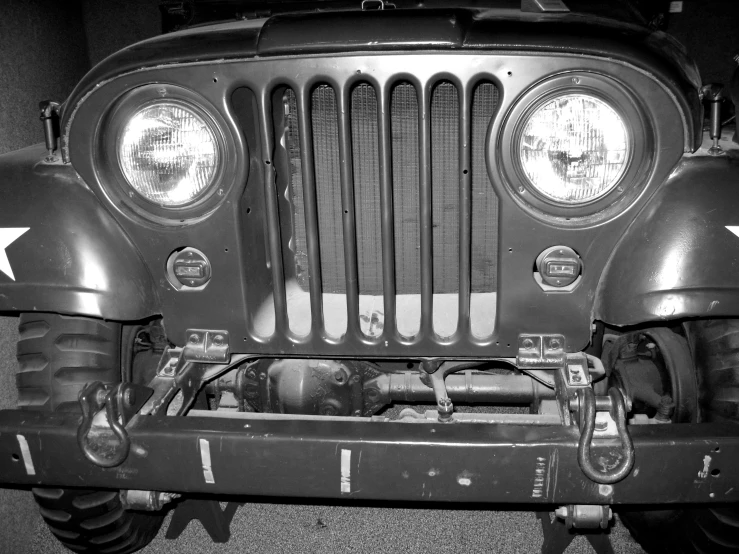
column 293, row 218
column 484, row 256
column 325, row 127
column 404, row 124
column 445, row 184
column 365, row 157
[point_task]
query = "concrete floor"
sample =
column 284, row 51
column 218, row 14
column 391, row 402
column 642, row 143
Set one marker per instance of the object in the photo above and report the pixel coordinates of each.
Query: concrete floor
column 279, row 527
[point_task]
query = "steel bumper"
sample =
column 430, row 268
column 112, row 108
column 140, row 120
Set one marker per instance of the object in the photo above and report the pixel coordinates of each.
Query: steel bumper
column 363, row 459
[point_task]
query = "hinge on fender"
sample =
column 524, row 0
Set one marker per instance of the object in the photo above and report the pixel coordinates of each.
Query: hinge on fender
column 50, row 118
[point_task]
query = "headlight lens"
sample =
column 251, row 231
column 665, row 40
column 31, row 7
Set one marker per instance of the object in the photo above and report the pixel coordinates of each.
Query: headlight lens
column 574, row 148
column 168, row 153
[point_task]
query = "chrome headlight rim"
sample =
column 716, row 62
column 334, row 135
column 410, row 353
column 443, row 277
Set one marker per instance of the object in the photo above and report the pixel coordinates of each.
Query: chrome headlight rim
column 633, row 178
column 124, row 195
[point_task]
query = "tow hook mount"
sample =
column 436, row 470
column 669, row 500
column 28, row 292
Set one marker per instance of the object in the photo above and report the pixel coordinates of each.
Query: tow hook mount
column 573, row 376
column 106, row 411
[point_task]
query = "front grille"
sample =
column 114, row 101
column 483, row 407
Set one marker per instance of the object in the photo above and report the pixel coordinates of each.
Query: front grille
column 433, row 257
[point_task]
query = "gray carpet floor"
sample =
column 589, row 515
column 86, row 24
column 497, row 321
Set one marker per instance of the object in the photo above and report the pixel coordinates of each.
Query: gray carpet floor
column 280, row 527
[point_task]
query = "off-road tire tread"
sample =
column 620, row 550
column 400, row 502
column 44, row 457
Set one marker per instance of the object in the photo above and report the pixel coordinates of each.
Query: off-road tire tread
column 113, row 530
column 714, row 529
column 58, row 355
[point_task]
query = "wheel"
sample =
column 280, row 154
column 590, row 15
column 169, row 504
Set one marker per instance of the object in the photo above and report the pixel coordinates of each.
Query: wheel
column 58, row 356
column 715, row 353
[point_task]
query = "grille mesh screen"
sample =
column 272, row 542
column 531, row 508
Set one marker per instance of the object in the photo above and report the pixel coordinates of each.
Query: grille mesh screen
column 404, row 126
column 365, row 156
column 328, row 188
column 484, row 200
column 445, row 178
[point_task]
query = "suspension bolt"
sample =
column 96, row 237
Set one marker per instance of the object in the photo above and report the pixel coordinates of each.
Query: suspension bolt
column 328, row 409
column 446, row 408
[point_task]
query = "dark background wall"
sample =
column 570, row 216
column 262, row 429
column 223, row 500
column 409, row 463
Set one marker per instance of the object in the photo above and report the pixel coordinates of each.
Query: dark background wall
column 43, row 52
column 47, row 45
column 709, row 29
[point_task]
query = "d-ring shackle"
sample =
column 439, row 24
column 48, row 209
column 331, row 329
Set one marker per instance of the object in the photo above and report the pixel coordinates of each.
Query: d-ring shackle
column 618, row 413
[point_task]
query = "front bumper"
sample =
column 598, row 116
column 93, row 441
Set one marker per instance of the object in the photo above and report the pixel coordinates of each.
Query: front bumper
column 363, row 459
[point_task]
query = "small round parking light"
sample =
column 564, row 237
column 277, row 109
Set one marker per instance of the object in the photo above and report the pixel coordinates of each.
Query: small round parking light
column 188, row 269
column 558, row 267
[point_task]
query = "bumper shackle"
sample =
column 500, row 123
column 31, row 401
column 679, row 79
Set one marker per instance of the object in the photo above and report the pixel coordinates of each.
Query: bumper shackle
column 618, row 413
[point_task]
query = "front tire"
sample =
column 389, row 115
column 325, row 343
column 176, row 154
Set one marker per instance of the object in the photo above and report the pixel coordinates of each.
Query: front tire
column 714, row 529
column 58, row 356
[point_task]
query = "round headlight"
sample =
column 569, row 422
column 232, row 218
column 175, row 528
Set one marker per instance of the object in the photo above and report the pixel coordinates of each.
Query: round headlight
column 168, row 153
column 574, row 148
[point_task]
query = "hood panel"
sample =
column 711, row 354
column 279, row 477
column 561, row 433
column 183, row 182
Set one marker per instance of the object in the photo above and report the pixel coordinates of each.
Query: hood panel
column 412, row 30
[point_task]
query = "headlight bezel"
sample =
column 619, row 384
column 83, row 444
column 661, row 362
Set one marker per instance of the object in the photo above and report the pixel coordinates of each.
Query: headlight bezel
column 123, row 194
column 632, row 180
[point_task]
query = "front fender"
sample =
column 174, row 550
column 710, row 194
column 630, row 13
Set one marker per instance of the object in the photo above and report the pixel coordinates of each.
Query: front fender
column 678, row 258
column 74, row 258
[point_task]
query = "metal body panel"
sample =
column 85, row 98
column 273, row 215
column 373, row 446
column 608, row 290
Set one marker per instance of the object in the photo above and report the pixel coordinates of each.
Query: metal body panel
column 240, row 252
column 356, row 459
column 74, row 259
column 679, row 259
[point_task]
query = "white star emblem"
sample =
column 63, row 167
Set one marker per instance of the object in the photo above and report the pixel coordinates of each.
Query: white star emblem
column 733, row 229
column 8, row 237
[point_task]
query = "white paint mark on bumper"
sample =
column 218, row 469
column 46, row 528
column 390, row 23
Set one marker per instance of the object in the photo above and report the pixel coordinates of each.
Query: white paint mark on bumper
column 346, row 471
column 205, row 458
column 26, row 454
